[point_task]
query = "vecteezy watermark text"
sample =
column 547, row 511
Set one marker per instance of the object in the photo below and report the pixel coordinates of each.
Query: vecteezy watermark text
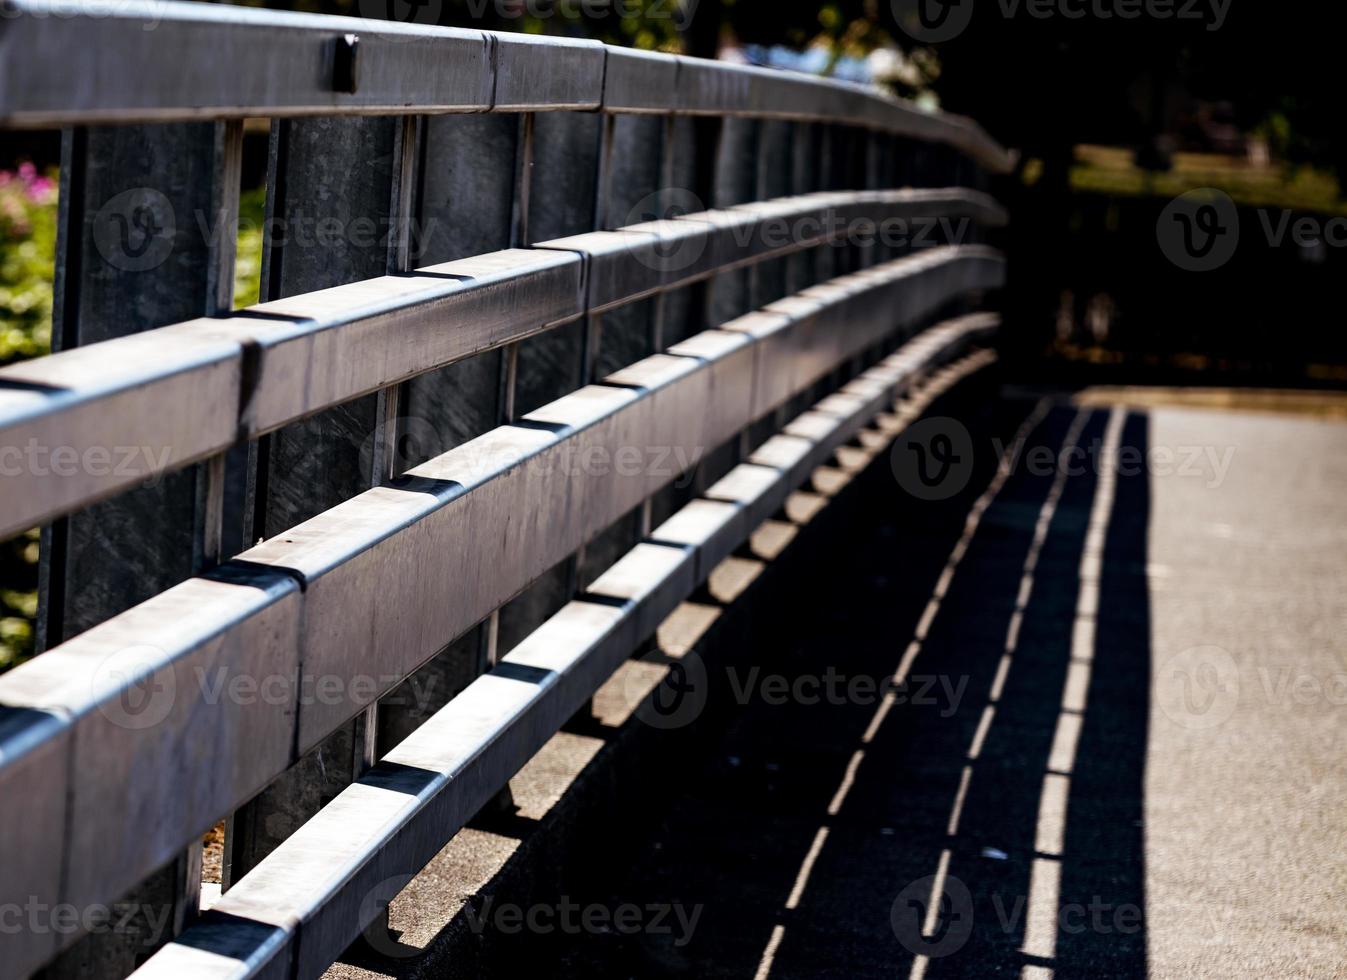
column 1200, row 230
column 33, row 916
column 35, row 459
column 571, row 918
column 936, row 21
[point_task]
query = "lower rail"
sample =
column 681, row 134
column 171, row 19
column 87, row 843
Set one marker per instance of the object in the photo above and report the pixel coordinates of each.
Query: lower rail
column 302, row 906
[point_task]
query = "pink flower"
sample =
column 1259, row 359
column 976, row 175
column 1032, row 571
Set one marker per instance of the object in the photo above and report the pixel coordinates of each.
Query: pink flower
column 41, row 189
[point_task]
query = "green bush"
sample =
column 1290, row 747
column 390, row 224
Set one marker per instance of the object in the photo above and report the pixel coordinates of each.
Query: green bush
column 27, row 270
column 27, row 266
column 27, row 261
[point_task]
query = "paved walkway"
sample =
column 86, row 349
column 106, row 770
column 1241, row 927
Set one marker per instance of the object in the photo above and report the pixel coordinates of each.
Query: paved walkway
column 1119, row 747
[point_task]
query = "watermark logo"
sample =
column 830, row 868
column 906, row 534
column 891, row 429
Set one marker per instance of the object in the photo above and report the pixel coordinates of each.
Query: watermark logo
column 135, row 230
column 371, row 910
column 143, row 690
column 136, row 688
column 568, row 917
column 933, row 924
column 1198, row 688
column 933, row 918
column 679, row 12
column 683, row 695
column 679, row 699
column 933, row 21
column 1199, row 230
column 403, row 11
column 933, row 460
column 936, row 21
column 146, row 11
column 406, row 443
column 674, row 252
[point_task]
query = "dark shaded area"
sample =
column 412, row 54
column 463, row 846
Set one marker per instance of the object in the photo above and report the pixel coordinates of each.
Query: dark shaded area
column 1104, row 856
column 1093, row 298
column 733, row 839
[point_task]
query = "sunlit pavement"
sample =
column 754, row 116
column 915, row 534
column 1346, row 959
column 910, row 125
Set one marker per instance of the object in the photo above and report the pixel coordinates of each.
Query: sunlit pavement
column 1118, row 750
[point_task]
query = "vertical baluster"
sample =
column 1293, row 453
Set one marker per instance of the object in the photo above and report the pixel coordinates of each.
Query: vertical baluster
column 806, row 178
column 338, row 207
column 736, row 182
column 148, row 222
column 872, row 144
column 469, row 185
column 831, row 259
column 775, row 178
column 629, row 194
column 562, row 199
column 689, row 168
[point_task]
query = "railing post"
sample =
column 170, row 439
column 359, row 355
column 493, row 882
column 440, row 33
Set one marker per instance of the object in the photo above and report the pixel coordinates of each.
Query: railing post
column 562, row 200
column 689, row 173
column 148, row 222
column 807, row 177
column 339, row 201
column 689, row 168
column 629, row 194
column 775, row 178
column 736, row 182
column 469, row 186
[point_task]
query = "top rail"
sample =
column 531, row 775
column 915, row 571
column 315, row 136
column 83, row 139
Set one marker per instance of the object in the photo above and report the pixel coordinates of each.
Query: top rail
column 71, row 62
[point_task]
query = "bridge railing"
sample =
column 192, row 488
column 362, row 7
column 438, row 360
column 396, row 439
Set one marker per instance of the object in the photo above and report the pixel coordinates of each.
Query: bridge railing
column 546, row 328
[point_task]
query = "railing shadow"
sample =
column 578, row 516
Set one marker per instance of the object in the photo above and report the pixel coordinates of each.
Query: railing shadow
column 815, row 840
column 818, row 840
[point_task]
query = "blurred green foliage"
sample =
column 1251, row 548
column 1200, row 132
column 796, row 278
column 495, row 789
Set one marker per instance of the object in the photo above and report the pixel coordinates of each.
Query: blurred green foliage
column 27, row 266
column 248, row 259
column 27, row 261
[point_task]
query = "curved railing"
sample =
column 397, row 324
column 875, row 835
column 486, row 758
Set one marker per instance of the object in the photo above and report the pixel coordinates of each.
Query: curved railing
column 754, row 326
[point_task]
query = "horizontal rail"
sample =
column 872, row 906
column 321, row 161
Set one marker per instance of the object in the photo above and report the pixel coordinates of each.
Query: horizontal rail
column 302, row 906
column 84, row 424
column 149, row 60
column 203, row 694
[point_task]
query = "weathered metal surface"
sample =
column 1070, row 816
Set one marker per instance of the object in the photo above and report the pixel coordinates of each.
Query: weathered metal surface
column 133, row 256
column 736, row 182
column 532, row 481
column 34, row 773
column 467, row 204
column 145, row 61
column 631, row 192
column 326, row 347
column 353, row 179
column 640, row 81
column 536, row 72
column 325, row 885
column 146, row 227
column 561, row 193
column 537, row 482
column 775, row 179
column 321, row 888
column 171, row 714
column 102, row 410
